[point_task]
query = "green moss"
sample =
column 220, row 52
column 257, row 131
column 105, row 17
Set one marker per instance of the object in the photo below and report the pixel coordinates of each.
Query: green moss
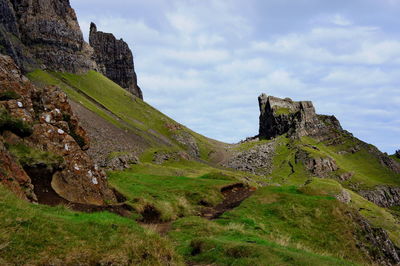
column 281, row 111
column 15, row 125
column 9, row 95
column 28, row 156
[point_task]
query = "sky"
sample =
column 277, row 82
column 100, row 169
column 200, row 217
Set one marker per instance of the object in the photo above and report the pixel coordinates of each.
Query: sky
column 205, row 62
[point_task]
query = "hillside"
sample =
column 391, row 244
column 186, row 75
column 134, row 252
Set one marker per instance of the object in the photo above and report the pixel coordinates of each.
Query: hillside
column 91, row 174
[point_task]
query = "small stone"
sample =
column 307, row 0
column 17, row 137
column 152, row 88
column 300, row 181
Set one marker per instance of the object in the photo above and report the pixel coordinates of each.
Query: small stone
column 47, row 118
column 20, row 105
column 94, row 180
column 66, row 147
column 60, row 131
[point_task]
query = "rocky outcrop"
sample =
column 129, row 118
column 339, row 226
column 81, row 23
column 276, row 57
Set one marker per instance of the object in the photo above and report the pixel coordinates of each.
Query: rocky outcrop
column 114, row 60
column 377, row 244
column 189, row 142
column 297, row 119
column 256, row 160
column 383, row 196
column 44, row 34
column 318, row 166
column 39, row 123
column 397, row 154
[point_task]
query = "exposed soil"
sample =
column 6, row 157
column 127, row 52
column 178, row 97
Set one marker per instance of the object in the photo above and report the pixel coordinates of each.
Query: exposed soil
column 234, row 195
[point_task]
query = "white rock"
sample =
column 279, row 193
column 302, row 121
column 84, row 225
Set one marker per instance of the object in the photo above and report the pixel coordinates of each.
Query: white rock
column 90, row 173
column 20, row 105
column 47, row 118
column 60, row 131
column 76, row 167
column 66, row 147
column 94, row 180
column 57, row 111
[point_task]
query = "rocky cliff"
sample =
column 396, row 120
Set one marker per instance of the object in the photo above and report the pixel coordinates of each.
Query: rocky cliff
column 42, row 144
column 43, row 34
column 297, row 119
column 114, row 60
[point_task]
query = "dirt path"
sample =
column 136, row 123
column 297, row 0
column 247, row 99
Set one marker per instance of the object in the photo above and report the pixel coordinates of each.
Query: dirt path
column 234, row 195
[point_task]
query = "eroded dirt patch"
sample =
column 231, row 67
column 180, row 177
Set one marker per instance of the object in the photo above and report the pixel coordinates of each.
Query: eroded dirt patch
column 234, row 195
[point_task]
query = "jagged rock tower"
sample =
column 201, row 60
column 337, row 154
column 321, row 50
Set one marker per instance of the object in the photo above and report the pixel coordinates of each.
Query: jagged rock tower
column 114, row 60
column 297, row 119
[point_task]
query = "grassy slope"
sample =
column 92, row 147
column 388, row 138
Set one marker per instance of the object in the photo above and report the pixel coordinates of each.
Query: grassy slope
column 130, row 112
column 31, row 234
column 277, row 224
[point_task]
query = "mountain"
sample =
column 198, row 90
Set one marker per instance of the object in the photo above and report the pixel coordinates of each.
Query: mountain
column 91, row 174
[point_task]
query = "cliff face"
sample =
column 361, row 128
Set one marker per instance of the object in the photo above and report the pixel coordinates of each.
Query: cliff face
column 297, row 119
column 114, row 60
column 42, row 144
column 44, row 34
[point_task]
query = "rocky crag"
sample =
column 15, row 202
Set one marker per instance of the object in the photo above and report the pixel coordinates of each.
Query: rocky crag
column 114, row 60
column 42, row 144
column 297, row 119
column 44, row 34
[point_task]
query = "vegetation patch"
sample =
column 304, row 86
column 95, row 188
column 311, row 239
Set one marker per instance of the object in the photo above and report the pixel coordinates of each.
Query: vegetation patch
column 41, row 235
column 15, row 125
column 30, row 157
column 9, row 95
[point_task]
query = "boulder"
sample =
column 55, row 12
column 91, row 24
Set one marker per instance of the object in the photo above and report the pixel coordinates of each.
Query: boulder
column 114, row 60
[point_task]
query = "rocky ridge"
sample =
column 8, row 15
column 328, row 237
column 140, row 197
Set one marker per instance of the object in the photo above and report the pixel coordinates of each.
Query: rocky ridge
column 114, row 60
column 42, row 143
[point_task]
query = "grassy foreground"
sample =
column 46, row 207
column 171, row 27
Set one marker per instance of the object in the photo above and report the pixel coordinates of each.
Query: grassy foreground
column 41, row 235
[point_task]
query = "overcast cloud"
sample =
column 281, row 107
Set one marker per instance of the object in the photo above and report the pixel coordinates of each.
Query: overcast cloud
column 204, row 62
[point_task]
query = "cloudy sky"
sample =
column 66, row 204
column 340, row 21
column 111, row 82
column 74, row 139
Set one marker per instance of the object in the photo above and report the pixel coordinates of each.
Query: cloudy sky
column 204, row 62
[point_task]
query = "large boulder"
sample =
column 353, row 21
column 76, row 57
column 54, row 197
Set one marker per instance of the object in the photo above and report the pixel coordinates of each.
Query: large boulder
column 114, row 60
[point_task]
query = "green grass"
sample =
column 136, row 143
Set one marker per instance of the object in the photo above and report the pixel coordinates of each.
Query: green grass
column 41, row 235
column 285, row 168
column 278, row 225
column 172, row 196
column 368, row 171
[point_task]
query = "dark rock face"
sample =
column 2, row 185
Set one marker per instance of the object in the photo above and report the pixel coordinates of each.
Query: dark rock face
column 297, row 119
column 41, row 120
column 383, row 196
column 397, row 154
column 45, row 34
column 114, row 60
